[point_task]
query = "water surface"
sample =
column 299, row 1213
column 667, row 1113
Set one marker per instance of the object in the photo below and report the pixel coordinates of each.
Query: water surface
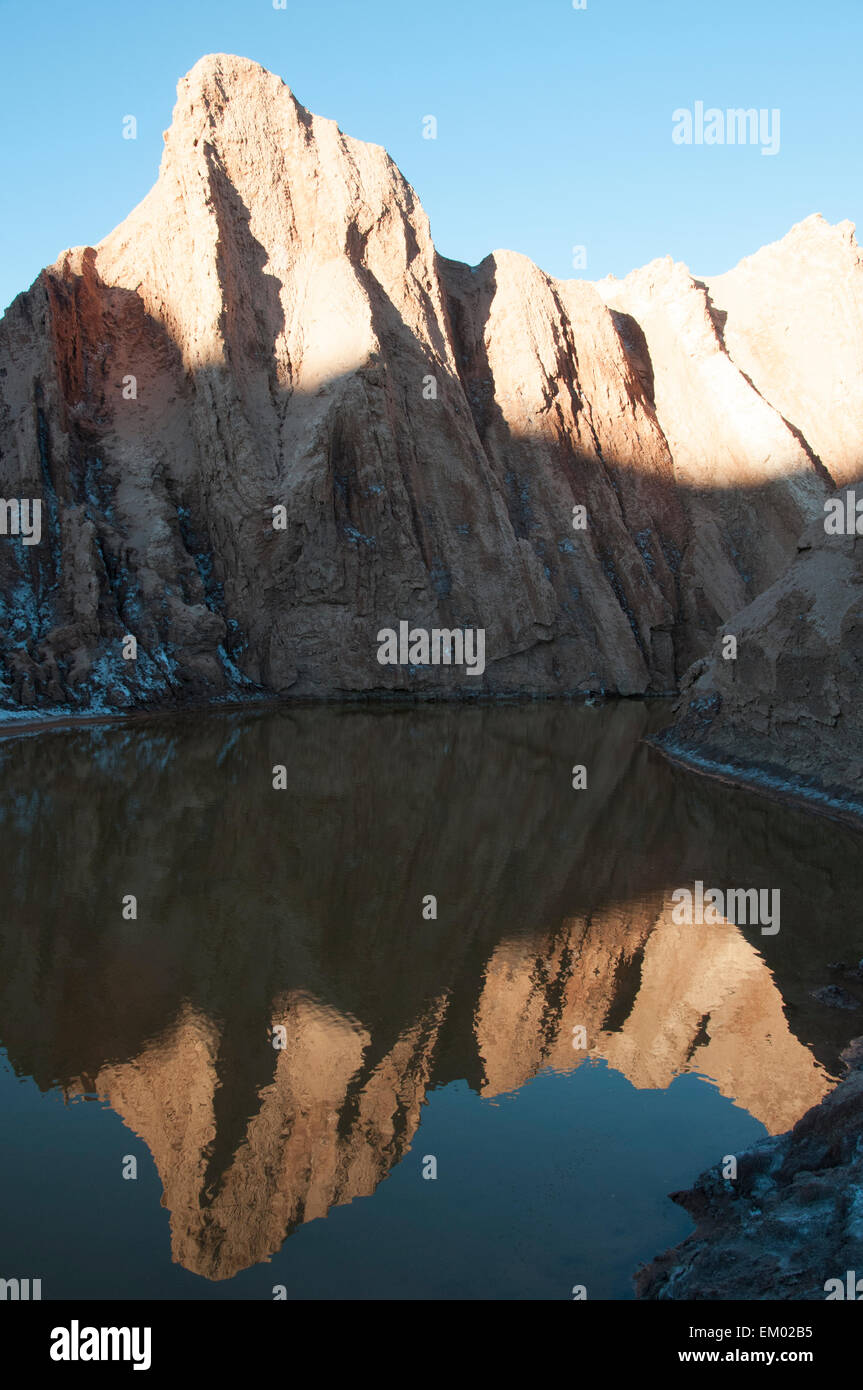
column 296, row 916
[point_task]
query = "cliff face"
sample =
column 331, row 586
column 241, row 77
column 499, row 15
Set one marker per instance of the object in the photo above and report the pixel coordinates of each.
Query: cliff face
column 747, row 474
column 272, row 327
column 791, row 317
column 785, row 715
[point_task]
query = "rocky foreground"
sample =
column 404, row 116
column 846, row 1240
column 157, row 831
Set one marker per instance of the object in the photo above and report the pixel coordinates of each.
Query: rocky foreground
column 789, row 1226
column 265, row 420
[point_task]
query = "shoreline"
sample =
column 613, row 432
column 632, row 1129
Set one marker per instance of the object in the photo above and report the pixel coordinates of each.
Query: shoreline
column 12, row 723
column 11, row 726
column 758, row 780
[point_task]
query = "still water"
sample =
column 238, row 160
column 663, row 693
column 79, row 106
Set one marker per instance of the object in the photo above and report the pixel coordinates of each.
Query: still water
column 285, row 1044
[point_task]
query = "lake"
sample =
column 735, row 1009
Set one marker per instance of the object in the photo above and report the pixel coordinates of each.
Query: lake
column 419, row 1025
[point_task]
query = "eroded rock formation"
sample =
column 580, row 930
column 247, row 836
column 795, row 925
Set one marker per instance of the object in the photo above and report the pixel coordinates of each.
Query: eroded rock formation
column 271, row 327
column 791, row 317
column 784, row 715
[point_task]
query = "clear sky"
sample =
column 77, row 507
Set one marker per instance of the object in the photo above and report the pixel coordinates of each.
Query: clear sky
column 554, row 124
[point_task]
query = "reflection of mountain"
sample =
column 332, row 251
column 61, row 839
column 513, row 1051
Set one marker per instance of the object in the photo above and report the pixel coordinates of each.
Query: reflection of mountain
column 656, row 999
column 323, row 1133
column 328, row 1128
column 258, row 908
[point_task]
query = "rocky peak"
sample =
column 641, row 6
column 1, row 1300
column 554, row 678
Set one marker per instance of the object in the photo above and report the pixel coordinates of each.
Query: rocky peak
column 272, row 327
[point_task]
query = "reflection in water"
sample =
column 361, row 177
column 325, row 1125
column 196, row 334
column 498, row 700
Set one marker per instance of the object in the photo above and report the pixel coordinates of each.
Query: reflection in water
column 303, row 909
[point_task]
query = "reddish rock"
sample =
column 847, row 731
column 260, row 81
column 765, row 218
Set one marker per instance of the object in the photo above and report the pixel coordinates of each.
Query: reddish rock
column 429, row 427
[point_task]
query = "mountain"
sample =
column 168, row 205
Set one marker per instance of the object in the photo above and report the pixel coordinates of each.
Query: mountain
column 271, row 328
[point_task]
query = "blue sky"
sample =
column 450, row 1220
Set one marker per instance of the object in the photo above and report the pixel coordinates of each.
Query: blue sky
column 554, row 124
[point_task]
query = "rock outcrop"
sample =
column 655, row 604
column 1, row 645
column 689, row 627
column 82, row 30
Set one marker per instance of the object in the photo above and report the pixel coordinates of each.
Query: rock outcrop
column 791, row 318
column 272, row 328
column 784, row 716
column 788, row 1226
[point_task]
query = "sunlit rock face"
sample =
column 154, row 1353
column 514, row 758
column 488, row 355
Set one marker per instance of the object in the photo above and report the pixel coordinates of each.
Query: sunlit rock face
column 748, row 477
column 272, row 328
column 791, row 317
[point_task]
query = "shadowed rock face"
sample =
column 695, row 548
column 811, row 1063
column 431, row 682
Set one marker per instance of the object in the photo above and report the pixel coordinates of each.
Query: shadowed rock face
column 259, row 910
column 785, row 716
column 295, row 341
